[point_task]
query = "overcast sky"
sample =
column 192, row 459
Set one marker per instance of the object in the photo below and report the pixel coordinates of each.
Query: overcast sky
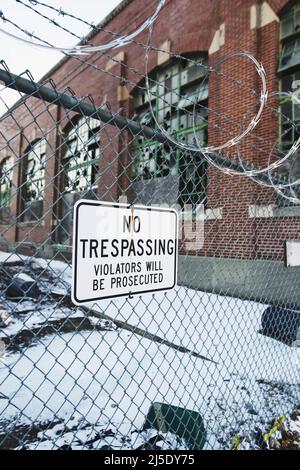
column 20, row 57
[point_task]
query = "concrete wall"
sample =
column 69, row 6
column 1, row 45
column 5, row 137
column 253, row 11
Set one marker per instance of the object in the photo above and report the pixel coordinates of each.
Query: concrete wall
column 267, row 282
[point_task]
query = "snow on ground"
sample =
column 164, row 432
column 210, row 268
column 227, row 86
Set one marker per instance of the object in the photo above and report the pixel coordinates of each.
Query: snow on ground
column 11, row 257
column 90, row 384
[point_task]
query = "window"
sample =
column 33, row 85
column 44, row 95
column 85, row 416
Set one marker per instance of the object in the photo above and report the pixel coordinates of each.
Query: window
column 289, row 70
column 6, row 173
column 81, row 159
column 290, row 112
column 290, row 23
column 179, row 86
column 290, row 55
column 35, row 171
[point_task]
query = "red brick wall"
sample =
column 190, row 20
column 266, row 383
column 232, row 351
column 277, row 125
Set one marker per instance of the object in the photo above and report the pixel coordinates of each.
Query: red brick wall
column 190, row 25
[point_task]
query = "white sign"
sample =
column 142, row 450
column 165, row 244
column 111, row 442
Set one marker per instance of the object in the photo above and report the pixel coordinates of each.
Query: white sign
column 293, row 253
column 119, row 250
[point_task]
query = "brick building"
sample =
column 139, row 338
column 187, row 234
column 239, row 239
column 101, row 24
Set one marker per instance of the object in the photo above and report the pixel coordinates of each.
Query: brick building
column 243, row 220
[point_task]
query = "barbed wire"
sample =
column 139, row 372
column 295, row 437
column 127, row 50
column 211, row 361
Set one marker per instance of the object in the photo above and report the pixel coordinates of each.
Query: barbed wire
column 83, row 49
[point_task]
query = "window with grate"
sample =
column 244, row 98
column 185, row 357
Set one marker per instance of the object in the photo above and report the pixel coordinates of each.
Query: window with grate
column 289, row 73
column 35, row 171
column 290, row 110
column 290, row 23
column 290, row 54
column 178, row 88
column 6, row 174
column 81, row 158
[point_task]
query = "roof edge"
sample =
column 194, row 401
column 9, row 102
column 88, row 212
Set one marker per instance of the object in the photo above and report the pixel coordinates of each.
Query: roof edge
column 89, row 36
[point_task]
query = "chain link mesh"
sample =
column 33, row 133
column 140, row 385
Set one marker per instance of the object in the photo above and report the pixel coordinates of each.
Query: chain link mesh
column 212, row 364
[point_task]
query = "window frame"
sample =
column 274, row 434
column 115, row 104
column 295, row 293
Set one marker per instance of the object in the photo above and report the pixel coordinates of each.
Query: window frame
column 200, row 84
column 295, row 120
column 289, row 72
column 6, row 178
column 36, row 152
column 293, row 53
column 290, row 14
column 78, row 145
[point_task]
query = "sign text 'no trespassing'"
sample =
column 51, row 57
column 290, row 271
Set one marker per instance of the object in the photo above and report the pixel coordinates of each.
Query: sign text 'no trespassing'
column 120, row 250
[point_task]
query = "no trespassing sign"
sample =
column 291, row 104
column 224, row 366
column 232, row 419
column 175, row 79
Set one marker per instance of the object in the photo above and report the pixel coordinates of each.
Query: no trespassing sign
column 119, row 250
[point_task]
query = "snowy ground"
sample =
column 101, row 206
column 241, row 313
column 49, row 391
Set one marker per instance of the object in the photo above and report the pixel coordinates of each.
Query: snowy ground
column 68, row 379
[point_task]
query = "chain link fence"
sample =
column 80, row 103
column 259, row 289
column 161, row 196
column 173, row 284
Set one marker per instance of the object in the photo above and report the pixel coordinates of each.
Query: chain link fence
column 211, row 364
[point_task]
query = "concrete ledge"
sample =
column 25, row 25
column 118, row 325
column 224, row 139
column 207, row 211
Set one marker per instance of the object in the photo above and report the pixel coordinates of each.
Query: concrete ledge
column 202, row 214
column 214, row 213
column 218, row 40
column 116, row 60
column 261, row 212
column 268, row 282
column 163, row 54
column 292, row 211
column 261, row 15
column 273, row 211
